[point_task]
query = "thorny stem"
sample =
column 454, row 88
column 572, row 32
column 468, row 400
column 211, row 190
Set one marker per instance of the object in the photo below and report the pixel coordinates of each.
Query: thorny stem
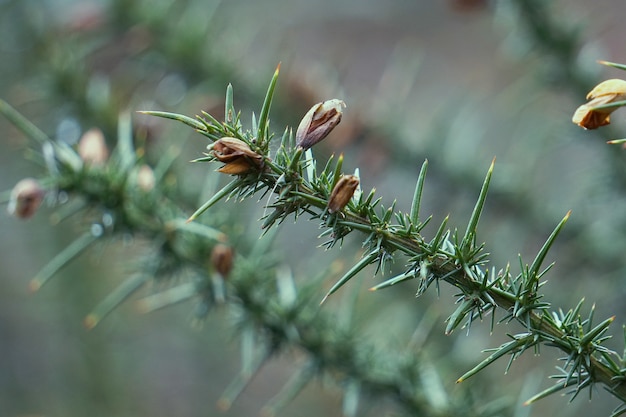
column 445, row 267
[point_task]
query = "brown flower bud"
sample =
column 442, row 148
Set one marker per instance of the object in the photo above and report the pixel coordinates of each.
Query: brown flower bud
column 92, row 148
column 318, row 122
column 342, row 193
column 26, row 197
column 606, row 92
column 237, row 156
column 222, row 259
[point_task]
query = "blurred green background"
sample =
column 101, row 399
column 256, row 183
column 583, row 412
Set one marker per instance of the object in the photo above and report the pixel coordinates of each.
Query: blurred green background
column 456, row 82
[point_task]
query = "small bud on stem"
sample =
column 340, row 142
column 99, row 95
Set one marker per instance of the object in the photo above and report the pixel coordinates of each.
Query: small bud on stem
column 318, row 122
column 222, row 259
column 26, row 197
column 342, row 193
column 145, row 178
column 92, row 148
column 237, row 156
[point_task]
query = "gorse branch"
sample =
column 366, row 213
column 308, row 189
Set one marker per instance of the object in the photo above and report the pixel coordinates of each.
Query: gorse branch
column 123, row 188
column 293, row 185
column 122, row 194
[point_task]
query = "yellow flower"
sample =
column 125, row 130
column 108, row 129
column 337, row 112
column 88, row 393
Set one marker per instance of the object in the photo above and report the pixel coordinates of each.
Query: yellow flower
column 609, row 91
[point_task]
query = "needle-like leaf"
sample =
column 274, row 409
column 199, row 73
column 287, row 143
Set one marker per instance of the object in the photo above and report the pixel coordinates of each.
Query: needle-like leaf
column 189, row 121
column 265, row 110
column 115, row 298
column 470, row 233
column 533, row 271
column 62, row 258
column 417, row 196
column 365, row 261
column 225, row 191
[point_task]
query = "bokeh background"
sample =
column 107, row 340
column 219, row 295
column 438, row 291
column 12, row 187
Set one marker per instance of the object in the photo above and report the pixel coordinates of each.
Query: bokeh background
column 457, row 82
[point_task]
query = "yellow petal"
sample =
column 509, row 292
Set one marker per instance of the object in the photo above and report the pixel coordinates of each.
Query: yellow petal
column 614, row 86
column 590, row 119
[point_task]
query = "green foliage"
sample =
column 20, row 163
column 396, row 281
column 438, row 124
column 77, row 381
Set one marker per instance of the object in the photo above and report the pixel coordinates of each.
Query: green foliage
column 460, row 262
column 274, row 314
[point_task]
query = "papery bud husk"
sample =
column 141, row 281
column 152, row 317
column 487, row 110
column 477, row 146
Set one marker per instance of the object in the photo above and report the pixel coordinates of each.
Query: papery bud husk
column 237, row 156
column 342, row 193
column 237, row 167
column 92, row 148
column 222, row 259
column 26, row 197
column 318, row 122
column 606, row 92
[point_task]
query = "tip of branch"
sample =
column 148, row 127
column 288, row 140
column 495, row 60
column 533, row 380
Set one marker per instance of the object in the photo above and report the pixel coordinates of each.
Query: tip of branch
column 223, row 404
column 458, row 381
column 142, row 306
column 90, row 321
column 190, row 219
column 372, row 289
column 616, row 141
column 604, row 62
column 277, row 68
column 34, row 285
column 493, row 162
column 324, row 299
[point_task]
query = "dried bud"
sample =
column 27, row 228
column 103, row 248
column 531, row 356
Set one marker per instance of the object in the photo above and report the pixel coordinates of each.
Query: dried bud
column 342, row 193
column 26, row 197
column 222, row 259
column 606, row 92
column 318, row 122
column 92, row 148
column 145, row 178
column 237, row 156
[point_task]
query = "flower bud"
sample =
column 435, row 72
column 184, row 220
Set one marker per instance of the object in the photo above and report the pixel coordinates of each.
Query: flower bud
column 342, row 193
column 26, row 197
column 318, row 122
column 606, row 92
column 222, row 259
column 237, row 156
column 92, row 148
column 145, row 178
